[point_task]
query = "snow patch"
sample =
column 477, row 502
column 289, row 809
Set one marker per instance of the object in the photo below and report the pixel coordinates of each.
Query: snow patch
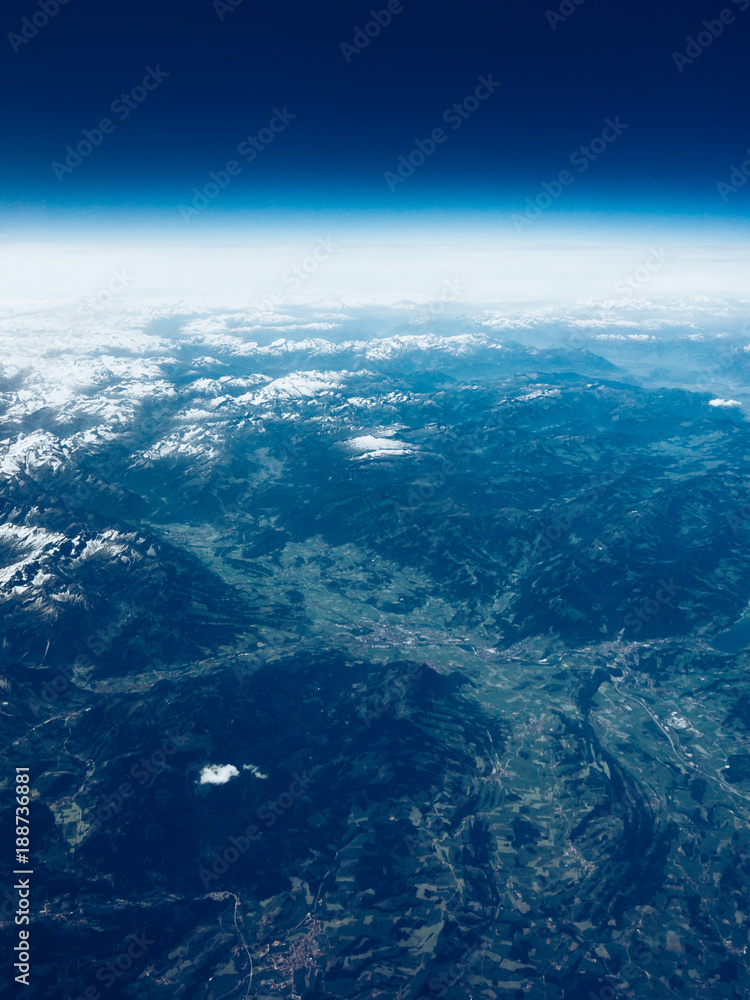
column 370, row 443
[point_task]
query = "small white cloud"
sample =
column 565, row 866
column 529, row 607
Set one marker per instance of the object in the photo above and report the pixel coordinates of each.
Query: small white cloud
column 218, row 774
column 724, row 402
column 256, row 772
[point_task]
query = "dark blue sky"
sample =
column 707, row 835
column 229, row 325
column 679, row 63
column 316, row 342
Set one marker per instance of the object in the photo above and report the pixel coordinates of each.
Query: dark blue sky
column 231, row 71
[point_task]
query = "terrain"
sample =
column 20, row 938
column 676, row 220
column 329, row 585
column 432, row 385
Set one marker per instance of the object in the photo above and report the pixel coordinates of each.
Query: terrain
column 467, row 616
